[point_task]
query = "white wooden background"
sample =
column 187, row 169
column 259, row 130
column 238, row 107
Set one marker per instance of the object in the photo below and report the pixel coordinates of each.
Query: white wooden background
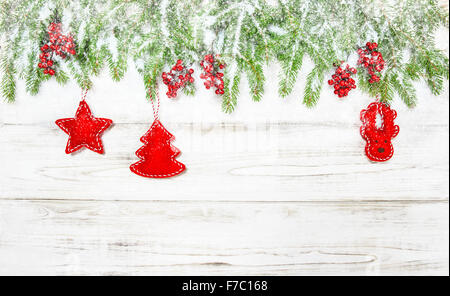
column 272, row 189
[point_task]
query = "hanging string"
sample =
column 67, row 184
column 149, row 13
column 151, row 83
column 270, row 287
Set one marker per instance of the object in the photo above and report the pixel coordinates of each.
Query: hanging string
column 83, row 93
column 155, row 107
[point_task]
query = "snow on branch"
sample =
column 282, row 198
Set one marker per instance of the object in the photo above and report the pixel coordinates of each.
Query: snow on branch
column 245, row 33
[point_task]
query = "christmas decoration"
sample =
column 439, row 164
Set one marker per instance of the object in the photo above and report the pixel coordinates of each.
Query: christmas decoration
column 157, row 155
column 342, row 82
column 379, row 136
column 211, row 67
column 372, row 60
column 84, row 130
column 56, row 44
column 177, row 78
column 248, row 34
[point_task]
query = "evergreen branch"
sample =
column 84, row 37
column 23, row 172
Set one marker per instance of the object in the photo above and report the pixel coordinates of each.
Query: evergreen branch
column 405, row 90
column 229, row 99
column 8, row 86
column 248, row 33
column 314, row 82
column 290, row 69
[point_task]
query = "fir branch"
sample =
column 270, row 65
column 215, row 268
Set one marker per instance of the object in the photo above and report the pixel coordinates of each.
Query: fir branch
column 405, row 89
column 246, row 33
column 8, row 84
column 229, row 99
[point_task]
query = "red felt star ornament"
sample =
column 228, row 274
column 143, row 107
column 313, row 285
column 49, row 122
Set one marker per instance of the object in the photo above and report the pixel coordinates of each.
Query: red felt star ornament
column 84, row 130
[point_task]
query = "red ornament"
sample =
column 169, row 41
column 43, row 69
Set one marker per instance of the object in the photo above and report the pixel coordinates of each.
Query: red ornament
column 379, row 146
column 84, row 130
column 211, row 73
column 157, row 155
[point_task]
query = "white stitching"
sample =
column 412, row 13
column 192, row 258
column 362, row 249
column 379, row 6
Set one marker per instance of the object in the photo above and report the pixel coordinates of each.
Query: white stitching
column 171, row 138
column 106, row 123
column 369, row 142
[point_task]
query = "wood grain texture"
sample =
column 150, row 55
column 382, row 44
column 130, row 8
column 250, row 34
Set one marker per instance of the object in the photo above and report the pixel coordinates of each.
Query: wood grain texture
column 212, row 238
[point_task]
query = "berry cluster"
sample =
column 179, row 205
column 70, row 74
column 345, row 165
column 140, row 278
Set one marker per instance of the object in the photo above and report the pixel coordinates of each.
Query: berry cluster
column 55, row 44
column 372, row 60
column 211, row 73
column 177, row 78
column 342, row 82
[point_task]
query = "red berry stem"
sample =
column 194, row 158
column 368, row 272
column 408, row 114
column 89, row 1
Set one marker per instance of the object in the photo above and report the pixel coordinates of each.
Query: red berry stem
column 55, row 44
column 372, row 60
column 211, row 73
column 342, row 81
column 177, row 78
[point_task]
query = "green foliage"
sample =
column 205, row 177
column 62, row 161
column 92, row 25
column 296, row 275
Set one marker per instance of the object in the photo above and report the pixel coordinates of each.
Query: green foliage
column 247, row 34
column 8, row 84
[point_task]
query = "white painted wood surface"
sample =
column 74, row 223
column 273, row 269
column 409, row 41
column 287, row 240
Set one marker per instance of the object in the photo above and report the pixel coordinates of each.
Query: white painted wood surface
column 274, row 188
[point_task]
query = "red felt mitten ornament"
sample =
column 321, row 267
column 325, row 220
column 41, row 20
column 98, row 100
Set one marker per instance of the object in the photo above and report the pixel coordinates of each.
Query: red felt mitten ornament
column 157, row 155
column 379, row 146
column 84, row 130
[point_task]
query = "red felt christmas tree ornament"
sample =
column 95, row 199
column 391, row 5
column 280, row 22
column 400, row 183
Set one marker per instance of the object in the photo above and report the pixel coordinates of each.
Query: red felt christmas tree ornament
column 378, row 137
column 84, row 129
column 157, row 155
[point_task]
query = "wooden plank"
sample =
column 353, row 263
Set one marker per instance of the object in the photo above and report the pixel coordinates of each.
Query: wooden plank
column 267, row 162
column 214, row 238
